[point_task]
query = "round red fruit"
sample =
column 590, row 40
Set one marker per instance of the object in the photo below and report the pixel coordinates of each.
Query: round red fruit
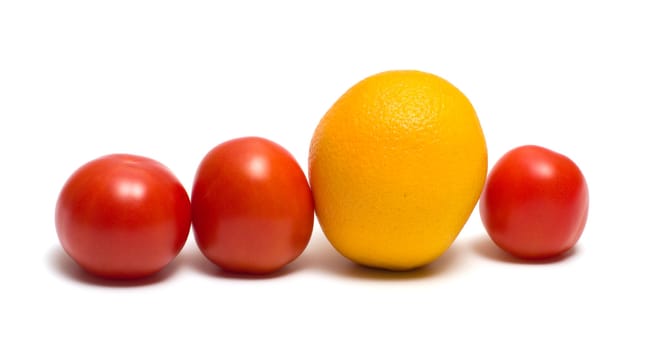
column 252, row 208
column 123, row 216
column 535, row 203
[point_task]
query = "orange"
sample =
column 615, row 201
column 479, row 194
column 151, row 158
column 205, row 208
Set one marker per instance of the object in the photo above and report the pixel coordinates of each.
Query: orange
column 396, row 167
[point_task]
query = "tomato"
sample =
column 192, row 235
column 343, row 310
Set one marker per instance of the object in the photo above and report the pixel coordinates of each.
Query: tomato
column 535, row 203
column 252, row 207
column 123, row 216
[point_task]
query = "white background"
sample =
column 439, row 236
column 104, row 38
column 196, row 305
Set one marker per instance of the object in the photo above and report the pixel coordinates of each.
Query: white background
column 171, row 79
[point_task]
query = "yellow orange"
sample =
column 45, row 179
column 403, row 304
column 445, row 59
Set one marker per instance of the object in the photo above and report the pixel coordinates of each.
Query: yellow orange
column 396, row 167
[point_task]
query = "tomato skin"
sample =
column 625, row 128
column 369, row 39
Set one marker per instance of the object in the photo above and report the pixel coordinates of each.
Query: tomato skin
column 535, row 203
column 123, row 216
column 252, row 207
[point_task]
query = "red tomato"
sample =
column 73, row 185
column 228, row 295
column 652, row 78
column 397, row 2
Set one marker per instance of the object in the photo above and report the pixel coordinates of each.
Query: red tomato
column 535, row 203
column 123, row 216
column 252, row 208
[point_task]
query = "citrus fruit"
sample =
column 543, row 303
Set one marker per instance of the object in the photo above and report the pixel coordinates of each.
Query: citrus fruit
column 396, row 167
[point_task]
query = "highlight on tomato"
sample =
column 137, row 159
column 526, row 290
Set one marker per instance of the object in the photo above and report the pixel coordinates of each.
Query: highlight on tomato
column 535, row 203
column 252, row 207
column 123, row 216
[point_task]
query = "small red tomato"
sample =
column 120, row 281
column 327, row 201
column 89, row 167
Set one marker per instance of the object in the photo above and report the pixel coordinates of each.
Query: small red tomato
column 535, row 203
column 252, row 208
column 123, row 216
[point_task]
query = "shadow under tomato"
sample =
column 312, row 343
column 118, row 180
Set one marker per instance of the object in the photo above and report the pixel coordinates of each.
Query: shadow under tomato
column 66, row 267
column 322, row 256
column 196, row 260
column 485, row 247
